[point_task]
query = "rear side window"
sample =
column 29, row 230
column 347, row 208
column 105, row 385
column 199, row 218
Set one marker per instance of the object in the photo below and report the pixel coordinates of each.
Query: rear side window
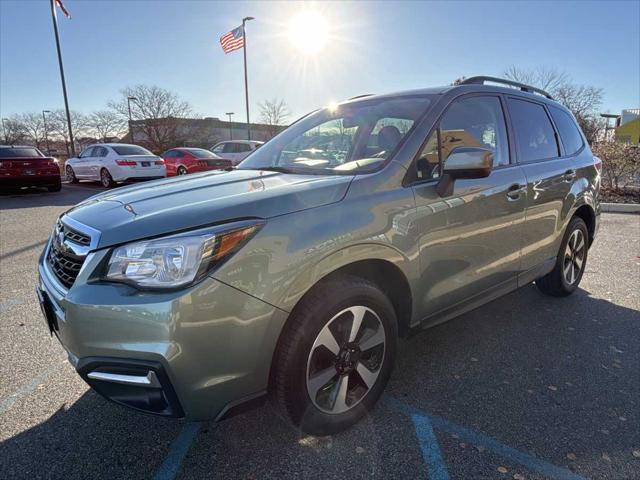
column 242, row 147
column 569, row 131
column 534, row 133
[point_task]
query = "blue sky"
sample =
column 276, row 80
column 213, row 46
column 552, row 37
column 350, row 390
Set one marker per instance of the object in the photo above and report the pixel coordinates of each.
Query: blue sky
column 373, row 48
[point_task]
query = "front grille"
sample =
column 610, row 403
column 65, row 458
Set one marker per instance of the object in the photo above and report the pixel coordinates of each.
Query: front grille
column 65, row 266
column 67, row 252
column 76, row 237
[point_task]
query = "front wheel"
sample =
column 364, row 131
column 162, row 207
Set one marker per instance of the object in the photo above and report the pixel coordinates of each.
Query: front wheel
column 335, row 355
column 182, row 171
column 564, row 279
column 106, row 179
column 71, row 175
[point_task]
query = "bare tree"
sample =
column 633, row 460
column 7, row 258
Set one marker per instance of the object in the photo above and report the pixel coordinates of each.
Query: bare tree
column 32, row 127
column 14, row 130
column 156, row 114
column 582, row 100
column 274, row 114
column 57, row 126
column 106, row 124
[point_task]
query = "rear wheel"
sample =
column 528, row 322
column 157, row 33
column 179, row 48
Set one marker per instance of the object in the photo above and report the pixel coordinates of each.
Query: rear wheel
column 71, row 176
column 106, row 179
column 182, row 171
column 55, row 188
column 564, row 279
column 336, row 355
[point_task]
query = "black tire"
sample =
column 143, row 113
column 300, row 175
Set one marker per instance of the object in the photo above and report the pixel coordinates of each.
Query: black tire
column 71, row 175
column 295, row 353
column 556, row 283
column 182, row 171
column 55, row 188
column 106, row 179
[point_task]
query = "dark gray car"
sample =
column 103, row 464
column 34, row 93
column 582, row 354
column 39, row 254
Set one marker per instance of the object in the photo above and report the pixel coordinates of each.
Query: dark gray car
column 294, row 275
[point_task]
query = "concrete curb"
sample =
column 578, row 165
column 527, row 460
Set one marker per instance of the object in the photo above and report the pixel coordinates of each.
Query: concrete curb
column 620, row 207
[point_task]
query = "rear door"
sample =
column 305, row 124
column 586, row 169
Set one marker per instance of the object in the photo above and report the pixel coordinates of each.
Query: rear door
column 96, row 162
column 550, row 177
column 469, row 241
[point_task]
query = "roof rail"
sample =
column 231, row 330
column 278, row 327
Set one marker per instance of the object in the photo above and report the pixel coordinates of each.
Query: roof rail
column 481, row 80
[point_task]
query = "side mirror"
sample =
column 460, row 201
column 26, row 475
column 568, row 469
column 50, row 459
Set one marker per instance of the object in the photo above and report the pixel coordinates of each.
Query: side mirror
column 464, row 162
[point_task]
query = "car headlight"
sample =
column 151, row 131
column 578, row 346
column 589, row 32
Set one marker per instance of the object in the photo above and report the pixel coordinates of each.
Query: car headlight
column 178, row 260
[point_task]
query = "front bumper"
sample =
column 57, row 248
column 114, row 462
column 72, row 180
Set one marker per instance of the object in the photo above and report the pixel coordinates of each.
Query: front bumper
column 210, row 345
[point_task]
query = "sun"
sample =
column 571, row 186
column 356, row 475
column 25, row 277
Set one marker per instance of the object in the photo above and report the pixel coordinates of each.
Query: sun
column 308, row 32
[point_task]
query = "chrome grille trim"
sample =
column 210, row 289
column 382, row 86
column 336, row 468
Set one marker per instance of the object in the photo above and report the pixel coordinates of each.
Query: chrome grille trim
column 68, row 248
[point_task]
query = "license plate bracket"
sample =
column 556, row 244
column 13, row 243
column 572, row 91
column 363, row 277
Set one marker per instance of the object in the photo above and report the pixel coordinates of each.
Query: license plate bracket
column 146, row 164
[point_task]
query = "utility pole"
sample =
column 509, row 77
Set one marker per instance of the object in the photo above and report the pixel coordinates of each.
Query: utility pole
column 64, row 83
column 46, row 132
column 246, row 82
column 230, row 129
column 129, row 107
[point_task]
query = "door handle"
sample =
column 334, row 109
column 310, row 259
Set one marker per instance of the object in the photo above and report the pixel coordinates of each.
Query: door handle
column 569, row 175
column 515, row 190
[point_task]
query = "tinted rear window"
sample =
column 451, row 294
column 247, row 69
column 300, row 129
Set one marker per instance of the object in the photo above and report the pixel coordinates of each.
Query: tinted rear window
column 19, row 152
column 569, row 131
column 131, row 150
column 534, row 133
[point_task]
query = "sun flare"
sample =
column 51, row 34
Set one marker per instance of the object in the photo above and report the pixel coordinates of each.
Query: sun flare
column 308, row 32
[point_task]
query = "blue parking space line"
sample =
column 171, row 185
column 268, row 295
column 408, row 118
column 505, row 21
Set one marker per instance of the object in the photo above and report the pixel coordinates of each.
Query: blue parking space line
column 528, row 461
column 177, row 452
column 431, row 455
column 25, row 389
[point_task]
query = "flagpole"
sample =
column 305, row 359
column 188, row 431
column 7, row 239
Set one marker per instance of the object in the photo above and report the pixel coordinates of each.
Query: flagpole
column 246, row 83
column 64, row 84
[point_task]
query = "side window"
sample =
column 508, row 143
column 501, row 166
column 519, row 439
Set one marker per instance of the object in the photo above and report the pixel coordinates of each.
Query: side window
column 569, row 131
column 229, row 148
column 533, row 131
column 470, row 122
column 242, row 147
column 88, row 152
column 219, row 148
column 100, row 152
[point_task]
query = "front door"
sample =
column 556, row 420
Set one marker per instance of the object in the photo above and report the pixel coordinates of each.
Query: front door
column 469, row 241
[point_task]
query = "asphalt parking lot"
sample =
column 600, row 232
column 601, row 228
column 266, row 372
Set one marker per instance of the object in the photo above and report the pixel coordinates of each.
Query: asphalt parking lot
column 526, row 387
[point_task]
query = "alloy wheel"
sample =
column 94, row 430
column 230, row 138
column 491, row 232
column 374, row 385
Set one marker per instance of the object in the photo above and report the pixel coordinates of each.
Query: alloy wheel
column 70, row 175
column 104, row 176
column 182, row 171
column 345, row 359
column 574, row 257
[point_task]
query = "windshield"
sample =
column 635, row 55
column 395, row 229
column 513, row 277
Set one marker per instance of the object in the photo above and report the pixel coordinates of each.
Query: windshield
column 131, row 150
column 201, row 153
column 351, row 138
column 19, row 152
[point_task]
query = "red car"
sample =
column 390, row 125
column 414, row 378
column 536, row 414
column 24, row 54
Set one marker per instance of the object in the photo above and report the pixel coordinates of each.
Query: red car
column 180, row 161
column 24, row 166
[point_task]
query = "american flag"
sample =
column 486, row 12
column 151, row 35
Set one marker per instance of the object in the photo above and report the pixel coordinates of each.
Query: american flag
column 60, row 5
column 233, row 40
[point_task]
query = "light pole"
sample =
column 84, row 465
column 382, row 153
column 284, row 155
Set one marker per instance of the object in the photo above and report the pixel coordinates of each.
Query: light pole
column 246, row 82
column 230, row 130
column 129, row 107
column 46, row 133
column 4, row 130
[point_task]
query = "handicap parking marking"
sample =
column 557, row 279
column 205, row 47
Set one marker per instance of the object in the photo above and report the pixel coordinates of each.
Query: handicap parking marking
column 425, row 424
column 178, row 451
column 436, row 468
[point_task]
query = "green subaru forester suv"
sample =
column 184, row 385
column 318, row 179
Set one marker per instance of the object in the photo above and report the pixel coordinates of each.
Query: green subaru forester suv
column 293, row 275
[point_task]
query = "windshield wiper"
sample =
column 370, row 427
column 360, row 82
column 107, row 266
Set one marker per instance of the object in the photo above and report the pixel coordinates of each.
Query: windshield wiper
column 275, row 168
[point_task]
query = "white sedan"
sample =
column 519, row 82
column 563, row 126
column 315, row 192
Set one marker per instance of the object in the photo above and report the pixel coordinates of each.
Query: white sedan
column 235, row 150
column 114, row 162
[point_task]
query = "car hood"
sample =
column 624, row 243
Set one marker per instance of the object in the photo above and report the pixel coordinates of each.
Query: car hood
column 184, row 202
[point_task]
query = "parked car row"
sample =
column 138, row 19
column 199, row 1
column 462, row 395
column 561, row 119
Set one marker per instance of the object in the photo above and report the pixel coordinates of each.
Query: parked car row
column 112, row 163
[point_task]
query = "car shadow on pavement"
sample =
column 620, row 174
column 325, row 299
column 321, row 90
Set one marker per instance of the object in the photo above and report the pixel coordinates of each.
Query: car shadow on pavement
column 546, row 376
column 38, row 197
